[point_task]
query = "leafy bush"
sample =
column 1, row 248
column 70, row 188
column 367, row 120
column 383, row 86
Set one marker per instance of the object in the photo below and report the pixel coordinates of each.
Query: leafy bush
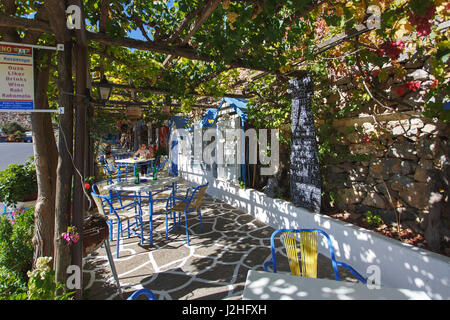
column 16, row 252
column 373, row 219
column 41, row 285
column 12, row 127
column 12, row 285
column 18, row 182
column 17, row 281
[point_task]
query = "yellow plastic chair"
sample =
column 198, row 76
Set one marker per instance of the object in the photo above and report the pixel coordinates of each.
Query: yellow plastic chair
column 301, row 248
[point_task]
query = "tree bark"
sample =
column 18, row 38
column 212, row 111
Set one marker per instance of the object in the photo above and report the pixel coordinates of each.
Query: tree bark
column 80, row 143
column 56, row 9
column 45, row 156
column 65, row 168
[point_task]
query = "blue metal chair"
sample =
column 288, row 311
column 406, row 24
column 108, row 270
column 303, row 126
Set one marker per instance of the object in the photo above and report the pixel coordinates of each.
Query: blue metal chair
column 163, row 165
column 191, row 203
column 301, row 248
column 105, row 206
column 109, row 170
column 153, row 164
column 148, row 293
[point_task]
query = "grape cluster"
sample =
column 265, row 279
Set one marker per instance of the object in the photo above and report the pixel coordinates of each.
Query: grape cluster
column 422, row 23
column 391, row 49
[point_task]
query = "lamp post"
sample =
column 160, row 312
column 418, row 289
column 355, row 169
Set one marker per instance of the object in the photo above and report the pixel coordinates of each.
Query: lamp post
column 104, row 89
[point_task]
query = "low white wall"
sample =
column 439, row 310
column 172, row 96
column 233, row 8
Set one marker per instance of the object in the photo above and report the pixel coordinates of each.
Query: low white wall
column 401, row 265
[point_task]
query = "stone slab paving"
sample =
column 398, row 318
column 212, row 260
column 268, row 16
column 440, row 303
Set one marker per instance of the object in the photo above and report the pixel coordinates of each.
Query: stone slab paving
column 214, row 266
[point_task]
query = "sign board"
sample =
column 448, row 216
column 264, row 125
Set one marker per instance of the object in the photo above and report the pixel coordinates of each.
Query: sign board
column 16, row 77
column 304, row 168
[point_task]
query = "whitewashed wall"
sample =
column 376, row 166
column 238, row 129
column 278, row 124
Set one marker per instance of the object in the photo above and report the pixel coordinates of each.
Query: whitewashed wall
column 401, row 265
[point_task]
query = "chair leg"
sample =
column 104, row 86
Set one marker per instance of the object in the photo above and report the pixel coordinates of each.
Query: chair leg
column 201, row 223
column 167, row 230
column 150, row 223
column 142, row 229
column 187, row 230
column 128, row 228
column 119, row 227
column 110, row 230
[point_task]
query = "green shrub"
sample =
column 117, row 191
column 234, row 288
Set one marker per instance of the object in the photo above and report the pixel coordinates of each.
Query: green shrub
column 16, row 252
column 42, row 285
column 12, row 285
column 16, row 247
column 373, row 219
column 18, row 182
column 12, row 127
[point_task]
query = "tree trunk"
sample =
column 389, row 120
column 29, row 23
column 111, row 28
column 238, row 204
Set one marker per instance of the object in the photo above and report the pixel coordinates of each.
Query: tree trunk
column 56, row 9
column 80, row 143
column 45, row 155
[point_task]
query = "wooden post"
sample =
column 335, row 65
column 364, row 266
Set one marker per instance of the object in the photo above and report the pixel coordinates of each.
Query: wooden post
column 80, row 145
column 65, row 168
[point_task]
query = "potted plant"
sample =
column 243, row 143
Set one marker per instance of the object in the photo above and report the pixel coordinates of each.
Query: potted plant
column 18, row 184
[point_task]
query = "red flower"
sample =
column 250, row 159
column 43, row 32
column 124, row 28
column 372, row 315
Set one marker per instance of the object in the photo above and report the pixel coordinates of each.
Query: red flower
column 367, row 139
column 413, row 85
column 375, row 73
column 434, row 84
column 87, row 186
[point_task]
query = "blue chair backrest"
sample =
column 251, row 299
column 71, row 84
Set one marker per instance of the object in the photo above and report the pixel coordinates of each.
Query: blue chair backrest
column 104, row 198
column 162, row 165
column 197, row 194
column 145, row 292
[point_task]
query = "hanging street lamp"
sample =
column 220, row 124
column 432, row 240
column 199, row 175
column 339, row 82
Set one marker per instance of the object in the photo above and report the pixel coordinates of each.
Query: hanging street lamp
column 104, row 89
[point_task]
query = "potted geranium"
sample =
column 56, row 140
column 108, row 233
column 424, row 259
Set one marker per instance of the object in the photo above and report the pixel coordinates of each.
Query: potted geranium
column 18, row 184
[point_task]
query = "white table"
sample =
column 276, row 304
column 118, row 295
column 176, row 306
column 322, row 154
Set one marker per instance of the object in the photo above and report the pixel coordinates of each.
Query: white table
column 261, row 285
column 132, row 162
column 148, row 185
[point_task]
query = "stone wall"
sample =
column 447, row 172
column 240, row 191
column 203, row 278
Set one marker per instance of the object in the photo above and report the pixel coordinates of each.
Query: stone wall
column 403, row 157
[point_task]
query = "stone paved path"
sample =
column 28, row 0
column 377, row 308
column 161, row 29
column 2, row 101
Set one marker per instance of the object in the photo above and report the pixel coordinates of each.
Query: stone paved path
column 214, row 266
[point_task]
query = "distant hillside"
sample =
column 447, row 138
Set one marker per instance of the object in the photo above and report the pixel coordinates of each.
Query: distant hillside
column 24, row 119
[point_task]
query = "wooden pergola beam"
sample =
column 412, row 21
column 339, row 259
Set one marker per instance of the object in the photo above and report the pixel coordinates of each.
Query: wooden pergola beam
column 124, row 104
column 160, row 91
column 23, row 23
column 158, row 47
column 203, row 15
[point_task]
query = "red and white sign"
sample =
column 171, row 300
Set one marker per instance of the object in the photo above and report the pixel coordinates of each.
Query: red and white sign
column 16, row 77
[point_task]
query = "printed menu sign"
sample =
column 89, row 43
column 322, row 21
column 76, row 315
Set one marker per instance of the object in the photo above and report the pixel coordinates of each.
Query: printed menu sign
column 16, row 77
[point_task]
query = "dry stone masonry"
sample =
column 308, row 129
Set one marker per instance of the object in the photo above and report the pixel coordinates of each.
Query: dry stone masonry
column 404, row 157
